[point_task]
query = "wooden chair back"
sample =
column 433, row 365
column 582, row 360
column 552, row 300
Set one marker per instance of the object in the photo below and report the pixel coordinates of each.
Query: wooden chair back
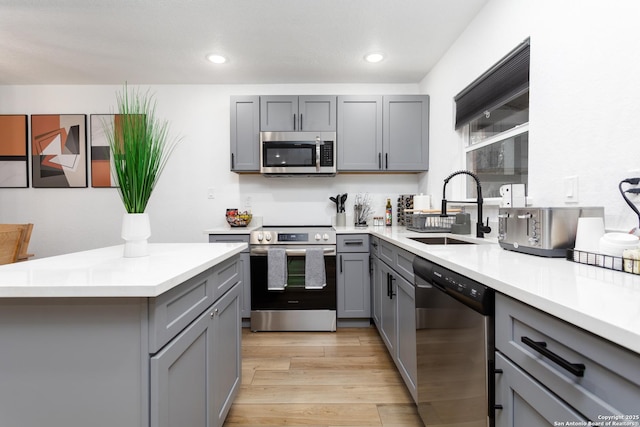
column 9, row 246
column 25, row 236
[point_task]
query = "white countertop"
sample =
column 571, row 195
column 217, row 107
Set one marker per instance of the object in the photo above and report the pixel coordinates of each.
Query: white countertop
column 601, row 301
column 106, row 273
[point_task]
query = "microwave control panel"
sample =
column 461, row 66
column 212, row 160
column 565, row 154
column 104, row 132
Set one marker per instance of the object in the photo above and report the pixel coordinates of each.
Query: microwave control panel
column 326, row 154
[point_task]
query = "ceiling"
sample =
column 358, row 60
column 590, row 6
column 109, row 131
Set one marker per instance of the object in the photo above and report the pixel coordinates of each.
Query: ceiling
column 265, row 41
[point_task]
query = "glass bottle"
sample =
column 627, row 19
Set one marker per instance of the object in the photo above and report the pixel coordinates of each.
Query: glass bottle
column 388, row 214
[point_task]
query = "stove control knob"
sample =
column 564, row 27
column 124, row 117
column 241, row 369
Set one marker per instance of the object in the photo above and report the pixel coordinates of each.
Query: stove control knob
column 325, row 237
column 267, row 237
column 317, row 236
column 259, row 236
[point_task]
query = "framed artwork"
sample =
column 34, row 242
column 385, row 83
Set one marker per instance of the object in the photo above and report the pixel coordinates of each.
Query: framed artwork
column 14, row 169
column 101, row 160
column 59, row 150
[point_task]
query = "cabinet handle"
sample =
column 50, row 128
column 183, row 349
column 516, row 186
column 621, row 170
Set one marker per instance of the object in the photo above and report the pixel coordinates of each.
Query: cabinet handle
column 233, row 161
column 301, row 128
column 213, row 313
column 386, row 160
column 340, row 264
column 379, row 160
column 294, row 122
column 388, row 285
column 576, row 369
column 391, row 293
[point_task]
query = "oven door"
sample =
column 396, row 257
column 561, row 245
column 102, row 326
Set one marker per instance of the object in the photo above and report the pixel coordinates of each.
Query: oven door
column 294, row 296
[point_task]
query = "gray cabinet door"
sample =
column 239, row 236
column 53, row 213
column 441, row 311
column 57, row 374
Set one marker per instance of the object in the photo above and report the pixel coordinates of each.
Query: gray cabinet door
column 225, row 362
column 180, row 380
column 279, row 113
column 245, row 133
column 245, row 268
column 359, row 133
column 376, row 291
column 406, row 132
column 388, row 308
column 283, row 113
column 354, row 290
column 406, row 324
column 525, row 402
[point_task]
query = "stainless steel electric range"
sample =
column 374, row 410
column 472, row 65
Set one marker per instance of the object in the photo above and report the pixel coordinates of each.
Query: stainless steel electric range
column 296, row 306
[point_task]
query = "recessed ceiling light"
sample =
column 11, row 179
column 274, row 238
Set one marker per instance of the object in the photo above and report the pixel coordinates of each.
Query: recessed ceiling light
column 217, row 59
column 374, row 57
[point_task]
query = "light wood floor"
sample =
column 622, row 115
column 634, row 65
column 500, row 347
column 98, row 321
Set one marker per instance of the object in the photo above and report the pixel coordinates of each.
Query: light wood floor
column 320, row 379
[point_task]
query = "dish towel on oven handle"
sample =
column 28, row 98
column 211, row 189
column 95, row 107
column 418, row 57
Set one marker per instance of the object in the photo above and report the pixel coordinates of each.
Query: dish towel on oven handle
column 314, row 274
column 276, row 269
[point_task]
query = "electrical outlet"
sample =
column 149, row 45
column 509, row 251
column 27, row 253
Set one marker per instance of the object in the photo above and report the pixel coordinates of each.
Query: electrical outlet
column 211, row 193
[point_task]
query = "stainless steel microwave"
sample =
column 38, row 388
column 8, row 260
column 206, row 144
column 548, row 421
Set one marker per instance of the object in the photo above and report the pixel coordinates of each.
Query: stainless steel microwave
column 298, row 153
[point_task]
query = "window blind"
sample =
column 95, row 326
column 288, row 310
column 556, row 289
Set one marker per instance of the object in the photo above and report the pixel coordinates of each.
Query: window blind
column 507, row 78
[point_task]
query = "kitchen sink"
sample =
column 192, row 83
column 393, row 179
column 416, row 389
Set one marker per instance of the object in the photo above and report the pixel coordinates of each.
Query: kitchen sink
column 441, row 240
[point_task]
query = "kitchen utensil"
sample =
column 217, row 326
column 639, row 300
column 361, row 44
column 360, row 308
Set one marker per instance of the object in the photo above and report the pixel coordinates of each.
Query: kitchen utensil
column 336, row 200
column 343, row 199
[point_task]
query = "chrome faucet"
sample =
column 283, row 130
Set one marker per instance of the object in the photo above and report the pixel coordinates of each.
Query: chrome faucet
column 480, row 227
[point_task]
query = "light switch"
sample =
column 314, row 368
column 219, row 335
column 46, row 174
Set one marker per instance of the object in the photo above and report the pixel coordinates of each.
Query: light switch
column 571, row 189
column 211, row 193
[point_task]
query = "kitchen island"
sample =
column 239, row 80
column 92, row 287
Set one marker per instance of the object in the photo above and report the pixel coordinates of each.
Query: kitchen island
column 92, row 338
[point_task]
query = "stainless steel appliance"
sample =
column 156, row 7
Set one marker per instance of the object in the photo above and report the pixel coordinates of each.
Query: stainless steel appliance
column 455, row 347
column 298, row 153
column 543, row 231
column 296, row 307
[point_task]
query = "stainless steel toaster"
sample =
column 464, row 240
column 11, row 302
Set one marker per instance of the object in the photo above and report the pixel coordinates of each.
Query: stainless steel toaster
column 545, row 232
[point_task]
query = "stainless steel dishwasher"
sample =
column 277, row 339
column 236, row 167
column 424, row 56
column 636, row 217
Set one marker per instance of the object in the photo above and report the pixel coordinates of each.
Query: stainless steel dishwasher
column 455, row 347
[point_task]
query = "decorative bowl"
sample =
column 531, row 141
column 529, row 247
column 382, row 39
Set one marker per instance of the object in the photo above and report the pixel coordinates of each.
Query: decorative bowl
column 240, row 219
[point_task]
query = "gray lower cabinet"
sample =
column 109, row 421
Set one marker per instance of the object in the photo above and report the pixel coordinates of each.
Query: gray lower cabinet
column 173, row 360
column 394, row 312
column 550, row 372
column 525, row 402
column 383, row 133
column 280, row 113
column 245, row 268
column 353, row 285
column 245, row 133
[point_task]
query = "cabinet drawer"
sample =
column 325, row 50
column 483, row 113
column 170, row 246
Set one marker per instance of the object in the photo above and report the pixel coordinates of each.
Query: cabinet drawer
column 608, row 383
column 229, row 238
column 398, row 259
column 174, row 310
column 353, row 242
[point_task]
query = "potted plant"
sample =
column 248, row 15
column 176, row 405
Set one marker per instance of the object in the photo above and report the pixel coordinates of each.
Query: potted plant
column 140, row 147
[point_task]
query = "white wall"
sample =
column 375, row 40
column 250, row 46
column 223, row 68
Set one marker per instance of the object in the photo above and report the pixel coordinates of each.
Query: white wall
column 584, row 96
column 68, row 220
column 584, row 104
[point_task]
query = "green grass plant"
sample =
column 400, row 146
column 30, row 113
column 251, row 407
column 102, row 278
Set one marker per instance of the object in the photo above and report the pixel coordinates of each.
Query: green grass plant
column 140, row 147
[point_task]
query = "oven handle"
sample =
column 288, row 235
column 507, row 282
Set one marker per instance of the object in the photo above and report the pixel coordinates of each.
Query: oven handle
column 291, row 252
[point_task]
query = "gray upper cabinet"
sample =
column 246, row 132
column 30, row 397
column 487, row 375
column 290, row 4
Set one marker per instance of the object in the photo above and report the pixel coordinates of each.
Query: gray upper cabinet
column 245, row 133
column 281, row 113
column 405, row 126
column 359, row 133
column 383, row 133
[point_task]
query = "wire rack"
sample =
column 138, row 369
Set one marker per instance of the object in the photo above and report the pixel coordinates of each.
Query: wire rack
column 608, row 262
column 429, row 223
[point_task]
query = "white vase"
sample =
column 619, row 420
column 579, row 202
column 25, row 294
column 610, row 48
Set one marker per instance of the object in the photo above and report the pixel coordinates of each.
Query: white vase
column 135, row 232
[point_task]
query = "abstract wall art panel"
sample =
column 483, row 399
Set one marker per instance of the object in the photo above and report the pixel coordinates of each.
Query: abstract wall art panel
column 101, row 175
column 14, row 170
column 59, row 150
